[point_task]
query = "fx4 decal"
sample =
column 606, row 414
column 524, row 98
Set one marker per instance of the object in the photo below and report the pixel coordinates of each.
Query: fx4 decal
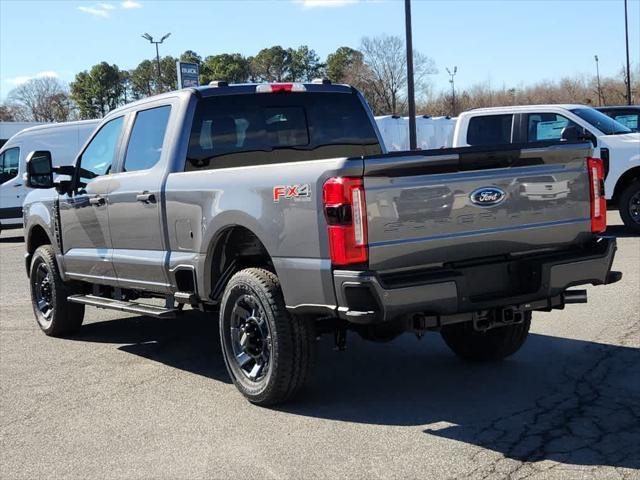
column 296, row 192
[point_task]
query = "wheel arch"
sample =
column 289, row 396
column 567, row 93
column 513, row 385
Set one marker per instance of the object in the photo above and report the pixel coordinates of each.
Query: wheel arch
column 626, row 179
column 232, row 248
column 35, row 237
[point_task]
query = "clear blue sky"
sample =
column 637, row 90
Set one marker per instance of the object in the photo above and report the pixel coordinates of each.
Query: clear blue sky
column 512, row 42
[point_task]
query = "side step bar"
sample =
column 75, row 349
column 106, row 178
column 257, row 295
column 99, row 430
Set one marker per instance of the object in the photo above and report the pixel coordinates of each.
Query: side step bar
column 124, row 306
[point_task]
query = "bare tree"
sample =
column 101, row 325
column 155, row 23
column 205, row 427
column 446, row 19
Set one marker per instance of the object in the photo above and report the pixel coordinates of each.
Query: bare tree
column 43, row 99
column 386, row 60
column 10, row 112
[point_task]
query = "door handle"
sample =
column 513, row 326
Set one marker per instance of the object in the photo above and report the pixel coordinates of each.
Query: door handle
column 97, row 201
column 146, row 197
column 17, row 185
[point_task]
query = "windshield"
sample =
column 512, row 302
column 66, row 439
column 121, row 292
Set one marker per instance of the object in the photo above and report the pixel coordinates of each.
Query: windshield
column 605, row 124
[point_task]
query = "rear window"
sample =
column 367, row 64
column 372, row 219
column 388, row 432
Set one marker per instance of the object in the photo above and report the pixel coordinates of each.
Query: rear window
column 253, row 129
column 489, row 130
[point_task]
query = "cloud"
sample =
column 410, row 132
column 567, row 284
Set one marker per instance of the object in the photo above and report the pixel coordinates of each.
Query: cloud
column 325, row 3
column 16, row 81
column 128, row 4
column 97, row 11
column 104, row 9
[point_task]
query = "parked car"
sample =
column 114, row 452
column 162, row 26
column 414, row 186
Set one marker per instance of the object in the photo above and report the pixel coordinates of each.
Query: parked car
column 616, row 144
column 277, row 206
column 63, row 140
column 627, row 115
column 542, row 188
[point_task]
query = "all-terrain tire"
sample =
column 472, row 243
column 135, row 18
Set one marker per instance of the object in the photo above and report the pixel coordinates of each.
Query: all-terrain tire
column 55, row 315
column 629, row 206
column 494, row 344
column 253, row 302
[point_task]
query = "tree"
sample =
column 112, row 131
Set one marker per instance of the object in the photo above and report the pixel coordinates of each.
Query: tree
column 42, row 99
column 10, row 112
column 230, row 67
column 168, row 74
column 304, row 64
column 190, row 56
column 385, row 57
column 143, row 79
column 341, row 62
column 270, row 65
column 98, row 91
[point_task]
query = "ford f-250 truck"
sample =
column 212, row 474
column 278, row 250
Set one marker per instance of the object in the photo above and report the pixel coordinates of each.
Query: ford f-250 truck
column 276, row 206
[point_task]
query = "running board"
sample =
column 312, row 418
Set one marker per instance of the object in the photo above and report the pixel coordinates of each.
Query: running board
column 124, row 306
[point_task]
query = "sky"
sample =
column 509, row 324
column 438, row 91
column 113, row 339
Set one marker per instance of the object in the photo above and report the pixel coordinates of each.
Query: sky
column 504, row 42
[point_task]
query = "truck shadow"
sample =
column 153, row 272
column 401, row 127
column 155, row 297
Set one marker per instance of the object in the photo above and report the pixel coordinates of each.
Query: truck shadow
column 570, row 401
column 559, row 399
column 11, row 238
column 621, row 231
column 188, row 343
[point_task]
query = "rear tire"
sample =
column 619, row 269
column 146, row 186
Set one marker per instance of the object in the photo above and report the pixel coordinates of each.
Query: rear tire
column 629, row 206
column 494, row 344
column 268, row 353
column 56, row 316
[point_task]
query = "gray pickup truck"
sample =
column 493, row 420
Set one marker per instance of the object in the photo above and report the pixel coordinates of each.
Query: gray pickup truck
column 276, row 206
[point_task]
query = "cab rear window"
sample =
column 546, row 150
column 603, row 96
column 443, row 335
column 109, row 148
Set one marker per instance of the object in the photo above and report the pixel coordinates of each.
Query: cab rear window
column 489, row 130
column 254, row 129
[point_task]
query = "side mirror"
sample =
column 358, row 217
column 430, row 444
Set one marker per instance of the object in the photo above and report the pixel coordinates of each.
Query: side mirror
column 39, row 170
column 574, row 133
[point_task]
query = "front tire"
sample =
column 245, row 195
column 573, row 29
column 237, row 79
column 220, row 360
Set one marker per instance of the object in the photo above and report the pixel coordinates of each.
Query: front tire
column 56, row 316
column 482, row 346
column 268, row 353
column 629, row 206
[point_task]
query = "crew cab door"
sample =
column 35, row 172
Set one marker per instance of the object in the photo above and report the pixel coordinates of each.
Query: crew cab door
column 135, row 219
column 86, row 240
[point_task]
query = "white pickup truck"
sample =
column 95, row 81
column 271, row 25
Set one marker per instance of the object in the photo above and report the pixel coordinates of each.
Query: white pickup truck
column 616, row 144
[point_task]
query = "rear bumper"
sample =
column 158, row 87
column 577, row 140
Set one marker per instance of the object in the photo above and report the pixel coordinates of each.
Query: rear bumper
column 531, row 282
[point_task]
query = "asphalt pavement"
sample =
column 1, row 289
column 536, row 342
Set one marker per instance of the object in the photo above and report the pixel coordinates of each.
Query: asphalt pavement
column 133, row 397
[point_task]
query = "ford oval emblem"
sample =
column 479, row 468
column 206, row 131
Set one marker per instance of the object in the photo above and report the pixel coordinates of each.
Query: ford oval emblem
column 487, row 196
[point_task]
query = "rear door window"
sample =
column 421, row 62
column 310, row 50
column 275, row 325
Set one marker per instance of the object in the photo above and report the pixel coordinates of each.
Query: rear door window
column 490, row 130
column 254, row 129
column 145, row 144
column 546, row 126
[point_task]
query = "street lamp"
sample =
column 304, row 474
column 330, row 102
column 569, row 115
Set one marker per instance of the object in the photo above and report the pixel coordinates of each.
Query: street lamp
column 146, row 36
column 626, row 36
column 598, row 78
column 453, row 89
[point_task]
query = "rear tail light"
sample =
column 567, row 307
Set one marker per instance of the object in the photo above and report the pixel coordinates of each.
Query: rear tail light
column 345, row 210
column 596, row 189
column 280, row 87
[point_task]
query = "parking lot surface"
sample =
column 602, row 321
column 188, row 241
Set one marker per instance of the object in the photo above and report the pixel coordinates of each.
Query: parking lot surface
column 135, row 397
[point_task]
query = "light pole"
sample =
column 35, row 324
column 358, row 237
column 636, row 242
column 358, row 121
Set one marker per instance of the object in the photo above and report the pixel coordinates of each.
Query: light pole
column 146, row 36
column 453, row 89
column 413, row 143
column 626, row 36
column 598, row 78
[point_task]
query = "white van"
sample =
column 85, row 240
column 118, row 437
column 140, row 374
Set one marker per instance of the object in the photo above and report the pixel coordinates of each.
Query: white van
column 616, row 144
column 62, row 139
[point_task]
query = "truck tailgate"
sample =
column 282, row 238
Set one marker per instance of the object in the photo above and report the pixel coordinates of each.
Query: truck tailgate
column 436, row 207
